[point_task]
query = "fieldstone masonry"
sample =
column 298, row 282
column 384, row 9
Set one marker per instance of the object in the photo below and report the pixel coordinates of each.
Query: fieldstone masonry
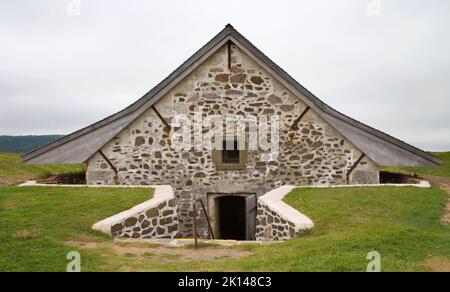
column 157, row 222
column 313, row 153
column 271, row 226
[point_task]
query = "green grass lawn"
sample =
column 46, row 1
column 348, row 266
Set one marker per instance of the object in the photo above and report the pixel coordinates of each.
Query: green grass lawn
column 12, row 169
column 39, row 225
column 35, row 223
column 402, row 224
column 443, row 170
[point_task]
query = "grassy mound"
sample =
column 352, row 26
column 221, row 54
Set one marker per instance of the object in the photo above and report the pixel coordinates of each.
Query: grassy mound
column 13, row 170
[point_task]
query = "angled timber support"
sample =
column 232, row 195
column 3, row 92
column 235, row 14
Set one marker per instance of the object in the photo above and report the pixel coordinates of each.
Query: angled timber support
column 207, row 217
column 294, row 126
column 167, row 127
column 350, row 171
column 116, row 172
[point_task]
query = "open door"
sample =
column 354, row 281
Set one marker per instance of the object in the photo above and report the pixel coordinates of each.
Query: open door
column 250, row 213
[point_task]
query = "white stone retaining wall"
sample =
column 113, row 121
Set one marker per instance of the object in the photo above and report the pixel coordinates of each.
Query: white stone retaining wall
column 277, row 220
column 156, row 218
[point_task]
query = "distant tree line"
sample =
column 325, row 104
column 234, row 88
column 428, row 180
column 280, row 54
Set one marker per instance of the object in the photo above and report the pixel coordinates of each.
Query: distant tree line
column 25, row 144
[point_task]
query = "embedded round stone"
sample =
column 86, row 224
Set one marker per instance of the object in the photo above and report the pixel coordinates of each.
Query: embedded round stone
column 222, row 77
column 257, row 80
column 152, row 213
column 145, row 224
column 117, row 227
column 173, row 228
column 238, row 78
column 287, row 108
column 167, row 212
column 139, row 141
column 130, row 221
column 147, row 231
column 274, row 99
column 172, row 203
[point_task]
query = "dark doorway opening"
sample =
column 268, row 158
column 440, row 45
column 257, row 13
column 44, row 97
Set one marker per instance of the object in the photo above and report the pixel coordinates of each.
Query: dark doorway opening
column 232, row 217
column 387, row 177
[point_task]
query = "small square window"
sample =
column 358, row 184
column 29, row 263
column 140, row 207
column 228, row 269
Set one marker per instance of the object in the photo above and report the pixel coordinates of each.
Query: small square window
column 230, row 159
column 230, row 156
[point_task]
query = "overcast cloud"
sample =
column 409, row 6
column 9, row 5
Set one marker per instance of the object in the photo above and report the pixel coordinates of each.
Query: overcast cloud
column 60, row 72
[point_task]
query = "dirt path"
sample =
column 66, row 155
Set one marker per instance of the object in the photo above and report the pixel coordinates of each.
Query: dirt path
column 443, row 183
column 9, row 182
column 163, row 253
column 446, row 217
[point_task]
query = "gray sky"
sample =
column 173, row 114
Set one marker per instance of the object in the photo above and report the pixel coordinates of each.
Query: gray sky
column 60, row 72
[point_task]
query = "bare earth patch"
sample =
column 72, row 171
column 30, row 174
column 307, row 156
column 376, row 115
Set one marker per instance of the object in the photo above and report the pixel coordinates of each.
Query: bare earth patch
column 163, row 253
column 26, row 234
column 8, row 205
column 9, row 182
column 446, row 217
column 443, row 183
column 437, row 264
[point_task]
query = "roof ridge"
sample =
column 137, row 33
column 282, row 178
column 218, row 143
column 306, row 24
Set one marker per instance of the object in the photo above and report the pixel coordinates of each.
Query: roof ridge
column 226, row 34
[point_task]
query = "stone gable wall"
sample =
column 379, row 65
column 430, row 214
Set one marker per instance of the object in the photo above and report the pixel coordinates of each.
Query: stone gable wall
column 314, row 154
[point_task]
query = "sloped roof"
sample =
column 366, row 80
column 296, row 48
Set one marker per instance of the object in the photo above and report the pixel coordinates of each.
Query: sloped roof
column 79, row 146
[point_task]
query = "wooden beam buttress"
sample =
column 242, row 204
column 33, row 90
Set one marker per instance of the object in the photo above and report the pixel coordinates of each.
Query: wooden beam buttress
column 294, row 126
column 116, row 172
column 167, row 127
column 350, row 171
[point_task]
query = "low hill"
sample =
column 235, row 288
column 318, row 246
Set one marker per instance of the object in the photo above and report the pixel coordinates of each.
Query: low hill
column 443, row 170
column 13, row 171
column 25, row 144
